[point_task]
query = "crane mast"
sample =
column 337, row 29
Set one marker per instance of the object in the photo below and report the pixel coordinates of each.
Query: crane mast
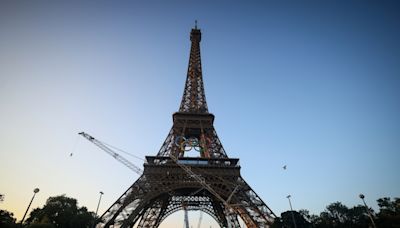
column 186, row 219
column 111, row 152
column 200, row 218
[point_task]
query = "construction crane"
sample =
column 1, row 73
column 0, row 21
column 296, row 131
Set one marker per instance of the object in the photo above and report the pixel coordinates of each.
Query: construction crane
column 130, row 165
column 186, row 220
column 200, row 218
column 111, row 152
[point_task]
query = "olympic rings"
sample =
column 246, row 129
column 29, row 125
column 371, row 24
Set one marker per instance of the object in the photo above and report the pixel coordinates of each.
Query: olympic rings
column 193, row 143
column 187, row 144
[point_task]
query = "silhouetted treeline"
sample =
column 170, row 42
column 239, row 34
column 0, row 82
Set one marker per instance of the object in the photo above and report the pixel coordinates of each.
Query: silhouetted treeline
column 339, row 215
column 63, row 212
column 58, row 212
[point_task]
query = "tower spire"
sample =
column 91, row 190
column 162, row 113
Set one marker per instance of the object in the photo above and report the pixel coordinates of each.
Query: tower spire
column 194, row 99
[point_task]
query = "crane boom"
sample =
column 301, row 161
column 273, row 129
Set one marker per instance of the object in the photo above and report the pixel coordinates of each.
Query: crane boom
column 115, row 155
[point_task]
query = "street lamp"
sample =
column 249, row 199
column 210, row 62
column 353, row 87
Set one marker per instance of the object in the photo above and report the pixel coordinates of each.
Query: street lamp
column 101, row 193
column 291, row 211
column 36, row 190
column 366, row 208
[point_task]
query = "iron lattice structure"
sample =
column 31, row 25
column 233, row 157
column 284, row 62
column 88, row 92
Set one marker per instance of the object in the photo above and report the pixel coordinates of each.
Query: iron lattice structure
column 164, row 187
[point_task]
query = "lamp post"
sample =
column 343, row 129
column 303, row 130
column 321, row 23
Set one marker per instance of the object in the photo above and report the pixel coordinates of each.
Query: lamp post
column 36, row 190
column 291, row 211
column 366, row 208
column 101, row 193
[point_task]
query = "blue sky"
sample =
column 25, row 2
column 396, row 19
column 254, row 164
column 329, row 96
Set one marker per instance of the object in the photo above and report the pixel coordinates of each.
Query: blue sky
column 312, row 85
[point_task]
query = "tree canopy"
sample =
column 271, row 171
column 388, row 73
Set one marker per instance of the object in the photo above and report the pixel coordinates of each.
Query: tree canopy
column 389, row 212
column 337, row 215
column 7, row 219
column 61, row 211
column 64, row 212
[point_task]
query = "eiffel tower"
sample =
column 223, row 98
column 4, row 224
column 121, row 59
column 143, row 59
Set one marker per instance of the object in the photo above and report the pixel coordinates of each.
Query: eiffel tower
column 174, row 180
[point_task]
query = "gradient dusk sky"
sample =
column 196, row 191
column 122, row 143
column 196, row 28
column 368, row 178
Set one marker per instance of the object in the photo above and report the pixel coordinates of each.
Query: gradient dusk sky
column 314, row 85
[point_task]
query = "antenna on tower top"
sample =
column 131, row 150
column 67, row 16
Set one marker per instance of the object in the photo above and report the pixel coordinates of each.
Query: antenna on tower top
column 195, row 24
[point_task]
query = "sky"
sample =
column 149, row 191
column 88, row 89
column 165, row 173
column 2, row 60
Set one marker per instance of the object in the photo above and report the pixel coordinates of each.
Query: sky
column 313, row 85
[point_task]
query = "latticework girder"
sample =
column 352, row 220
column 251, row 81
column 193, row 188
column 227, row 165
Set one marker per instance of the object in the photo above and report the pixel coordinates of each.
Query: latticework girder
column 208, row 180
column 194, row 98
column 212, row 145
column 164, row 189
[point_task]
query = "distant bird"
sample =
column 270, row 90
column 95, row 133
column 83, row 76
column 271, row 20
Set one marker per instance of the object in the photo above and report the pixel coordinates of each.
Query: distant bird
column 284, row 167
column 71, row 154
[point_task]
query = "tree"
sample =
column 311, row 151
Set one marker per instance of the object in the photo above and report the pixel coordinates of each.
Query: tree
column 337, row 212
column 358, row 216
column 388, row 207
column 63, row 212
column 6, row 219
column 339, row 215
column 306, row 215
column 389, row 212
column 286, row 220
